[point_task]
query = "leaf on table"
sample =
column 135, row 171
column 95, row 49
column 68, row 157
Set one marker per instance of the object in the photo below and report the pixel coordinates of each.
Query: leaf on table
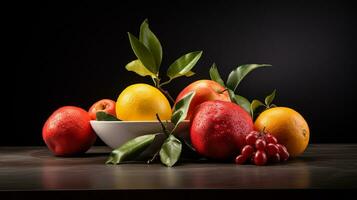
column 215, row 76
column 170, row 151
column 130, row 149
column 103, row 116
column 143, row 54
column 148, row 38
column 183, row 65
column 237, row 75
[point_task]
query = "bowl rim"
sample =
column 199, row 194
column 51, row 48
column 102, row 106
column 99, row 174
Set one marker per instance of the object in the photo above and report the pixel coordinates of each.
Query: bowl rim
column 122, row 122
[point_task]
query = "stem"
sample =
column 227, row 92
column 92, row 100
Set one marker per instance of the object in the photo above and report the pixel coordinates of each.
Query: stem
column 165, row 132
column 166, row 93
column 158, row 86
column 156, row 81
column 164, row 83
column 223, row 91
column 162, row 125
column 153, row 158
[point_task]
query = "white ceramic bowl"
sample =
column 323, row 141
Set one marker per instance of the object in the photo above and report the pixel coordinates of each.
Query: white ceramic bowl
column 116, row 133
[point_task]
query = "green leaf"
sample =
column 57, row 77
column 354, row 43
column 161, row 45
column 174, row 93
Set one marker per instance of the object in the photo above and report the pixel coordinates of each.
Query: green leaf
column 214, row 74
column 189, row 73
column 269, row 99
column 148, row 38
column 130, row 149
column 254, row 105
column 243, row 102
column 180, row 110
column 103, row 116
column 143, row 54
column 183, row 65
column 170, row 151
column 237, row 75
column 231, row 94
column 138, row 67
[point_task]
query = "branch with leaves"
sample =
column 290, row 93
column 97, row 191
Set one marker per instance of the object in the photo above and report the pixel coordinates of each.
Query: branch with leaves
column 268, row 103
column 233, row 80
column 148, row 51
column 171, row 147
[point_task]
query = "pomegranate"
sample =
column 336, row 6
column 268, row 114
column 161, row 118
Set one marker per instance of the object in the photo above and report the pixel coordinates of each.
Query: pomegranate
column 218, row 129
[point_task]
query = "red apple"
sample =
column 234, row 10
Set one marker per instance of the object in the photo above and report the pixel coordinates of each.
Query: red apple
column 105, row 105
column 218, row 129
column 68, row 131
column 205, row 90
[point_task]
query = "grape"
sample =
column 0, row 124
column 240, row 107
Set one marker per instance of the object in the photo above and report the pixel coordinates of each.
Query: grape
column 272, row 149
column 271, row 139
column 274, row 158
column 240, row 159
column 255, row 132
column 283, row 152
column 281, row 147
column 260, row 144
column 251, row 138
column 247, row 151
column 260, row 158
column 284, row 155
column 261, row 148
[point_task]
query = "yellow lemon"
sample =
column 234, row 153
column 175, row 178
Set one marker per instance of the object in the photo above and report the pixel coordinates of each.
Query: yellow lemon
column 142, row 102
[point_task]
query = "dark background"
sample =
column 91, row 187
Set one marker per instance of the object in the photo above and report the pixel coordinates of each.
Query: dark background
column 74, row 54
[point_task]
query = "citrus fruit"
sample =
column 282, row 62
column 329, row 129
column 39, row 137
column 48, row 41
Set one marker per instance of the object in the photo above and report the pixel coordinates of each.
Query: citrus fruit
column 142, row 102
column 288, row 126
column 68, row 132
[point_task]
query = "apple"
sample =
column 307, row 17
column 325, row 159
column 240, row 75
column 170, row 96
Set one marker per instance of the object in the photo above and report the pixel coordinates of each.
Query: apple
column 205, row 90
column 218, row 129
column 68, row 132
column 105, row 105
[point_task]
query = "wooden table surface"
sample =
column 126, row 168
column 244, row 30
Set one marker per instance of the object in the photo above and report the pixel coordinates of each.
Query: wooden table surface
column 323, row 166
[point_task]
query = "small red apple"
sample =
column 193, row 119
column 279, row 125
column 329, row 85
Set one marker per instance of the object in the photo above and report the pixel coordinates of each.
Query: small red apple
column 68, row 131
column 105, row 105
column 205, row 90
column 218, row 129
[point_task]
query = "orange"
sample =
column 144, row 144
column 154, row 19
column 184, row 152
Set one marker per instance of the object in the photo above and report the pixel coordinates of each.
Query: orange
column 288, row 126
column 141, row 102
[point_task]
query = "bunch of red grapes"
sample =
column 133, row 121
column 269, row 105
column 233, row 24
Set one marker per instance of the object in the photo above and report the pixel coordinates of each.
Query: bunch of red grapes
column 262, row 148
